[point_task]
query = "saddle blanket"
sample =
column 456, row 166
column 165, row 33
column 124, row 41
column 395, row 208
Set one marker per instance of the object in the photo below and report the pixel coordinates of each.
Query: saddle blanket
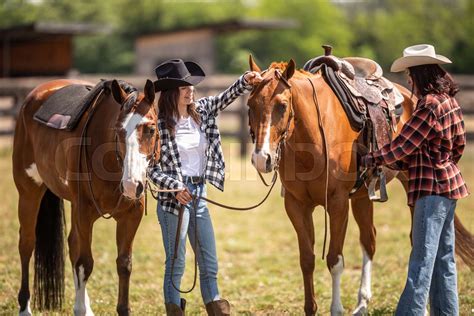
column 65, row 107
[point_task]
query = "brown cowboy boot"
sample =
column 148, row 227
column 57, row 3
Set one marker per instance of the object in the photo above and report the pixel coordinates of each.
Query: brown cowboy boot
column 175, row 310
column 218, row 308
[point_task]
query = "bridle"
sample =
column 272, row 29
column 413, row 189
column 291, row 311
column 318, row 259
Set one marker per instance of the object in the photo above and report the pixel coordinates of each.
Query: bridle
column 131, row 98
column 151, row 158
column 286, row 131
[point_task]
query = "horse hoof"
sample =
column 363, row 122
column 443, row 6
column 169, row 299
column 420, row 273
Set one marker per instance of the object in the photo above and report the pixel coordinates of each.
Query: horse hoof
column 361, row 310
column 25, row 312
column 337, row 311
column 83, row 312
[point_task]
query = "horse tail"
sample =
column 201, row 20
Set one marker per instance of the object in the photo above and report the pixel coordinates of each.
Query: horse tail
column 464, row 243
column 49, row 254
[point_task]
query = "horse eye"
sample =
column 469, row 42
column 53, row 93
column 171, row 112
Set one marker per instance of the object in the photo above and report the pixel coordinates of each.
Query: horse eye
column 282, row 107
column 149, row 130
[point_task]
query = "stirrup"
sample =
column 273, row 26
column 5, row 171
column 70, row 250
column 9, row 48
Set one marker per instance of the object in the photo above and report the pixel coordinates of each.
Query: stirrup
column 379, row 176
column 361, row 178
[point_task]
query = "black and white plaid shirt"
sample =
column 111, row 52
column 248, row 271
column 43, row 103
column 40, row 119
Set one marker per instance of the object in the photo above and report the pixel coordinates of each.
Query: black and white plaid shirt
column 166, row 174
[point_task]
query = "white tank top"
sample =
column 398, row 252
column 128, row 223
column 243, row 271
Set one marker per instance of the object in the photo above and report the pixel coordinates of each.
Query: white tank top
column 192, row 145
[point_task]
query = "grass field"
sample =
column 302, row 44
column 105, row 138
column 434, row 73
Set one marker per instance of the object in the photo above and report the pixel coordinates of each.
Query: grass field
column 258, row 254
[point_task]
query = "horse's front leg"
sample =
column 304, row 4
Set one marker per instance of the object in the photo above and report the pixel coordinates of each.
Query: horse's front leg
column 302, row 220
column 338, row 208
column 80, row 240
column 363, row 210
column 127, row 225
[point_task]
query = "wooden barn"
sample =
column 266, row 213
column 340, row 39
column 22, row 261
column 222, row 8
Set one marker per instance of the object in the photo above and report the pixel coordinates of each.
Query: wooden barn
column 195, row 43
column 39, row 49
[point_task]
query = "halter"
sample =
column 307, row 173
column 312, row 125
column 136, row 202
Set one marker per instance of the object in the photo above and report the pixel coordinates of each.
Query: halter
column 83, row 151
column 285, row 133
column 151, row 161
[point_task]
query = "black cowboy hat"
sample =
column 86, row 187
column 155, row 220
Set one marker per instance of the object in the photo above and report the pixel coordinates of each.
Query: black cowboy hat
column 175, row 73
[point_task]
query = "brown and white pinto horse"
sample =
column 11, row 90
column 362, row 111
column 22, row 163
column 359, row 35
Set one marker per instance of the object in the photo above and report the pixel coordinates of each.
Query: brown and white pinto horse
column 283, row 111
column 100, row 167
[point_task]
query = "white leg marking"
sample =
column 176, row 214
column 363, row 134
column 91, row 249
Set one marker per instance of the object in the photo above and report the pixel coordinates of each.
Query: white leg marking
column 32, row 172
column 259, row 160
column 365, row 293
column 336, row 272
column 27, row 311
column 82, row 304
column 135, row 163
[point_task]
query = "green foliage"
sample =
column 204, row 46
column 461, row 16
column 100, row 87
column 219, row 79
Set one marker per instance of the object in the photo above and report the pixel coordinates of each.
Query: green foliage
column 387, row 27
column 377, row 29
column 319, row 22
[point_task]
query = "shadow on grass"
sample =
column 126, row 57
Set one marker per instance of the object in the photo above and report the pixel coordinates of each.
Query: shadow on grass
column 382, row 311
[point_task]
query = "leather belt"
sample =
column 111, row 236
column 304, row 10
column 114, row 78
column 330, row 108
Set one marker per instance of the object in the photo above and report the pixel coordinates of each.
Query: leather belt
column 193, row 179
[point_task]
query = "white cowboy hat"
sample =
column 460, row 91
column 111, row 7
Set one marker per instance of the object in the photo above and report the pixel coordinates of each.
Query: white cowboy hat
column 422, row 54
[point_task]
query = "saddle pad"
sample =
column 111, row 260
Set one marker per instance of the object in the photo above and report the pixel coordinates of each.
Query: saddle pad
column 64, row 108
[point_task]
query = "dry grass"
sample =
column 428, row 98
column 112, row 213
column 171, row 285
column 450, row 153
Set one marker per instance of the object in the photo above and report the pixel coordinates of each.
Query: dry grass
column 258, row 254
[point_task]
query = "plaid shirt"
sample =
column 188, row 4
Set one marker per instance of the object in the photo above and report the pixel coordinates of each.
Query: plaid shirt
column 429, row 146
column 166, row 174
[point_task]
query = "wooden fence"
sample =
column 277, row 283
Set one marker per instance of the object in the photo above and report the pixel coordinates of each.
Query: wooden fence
column 232, row 122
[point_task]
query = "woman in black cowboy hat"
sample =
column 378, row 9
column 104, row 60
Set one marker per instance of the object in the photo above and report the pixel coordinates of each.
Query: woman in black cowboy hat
column 191, row 155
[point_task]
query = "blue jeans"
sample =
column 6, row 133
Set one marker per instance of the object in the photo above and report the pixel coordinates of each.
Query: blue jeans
column 432, row 268
column 204, row 247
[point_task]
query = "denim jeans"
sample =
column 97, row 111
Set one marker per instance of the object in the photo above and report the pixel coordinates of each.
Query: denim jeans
column 204, row 247
column 432, row 268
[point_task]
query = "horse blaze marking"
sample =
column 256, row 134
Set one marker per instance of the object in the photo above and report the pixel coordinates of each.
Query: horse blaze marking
column 32, row 172
column 266, row 140
column 260, row 158
column 135, row 162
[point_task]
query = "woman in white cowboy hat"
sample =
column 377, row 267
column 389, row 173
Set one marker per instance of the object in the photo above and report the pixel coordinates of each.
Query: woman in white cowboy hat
column 429, row 147
column 191, row 155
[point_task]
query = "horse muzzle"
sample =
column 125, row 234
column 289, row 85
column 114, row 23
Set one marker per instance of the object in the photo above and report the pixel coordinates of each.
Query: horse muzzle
column 132, row 189
column 262, row 161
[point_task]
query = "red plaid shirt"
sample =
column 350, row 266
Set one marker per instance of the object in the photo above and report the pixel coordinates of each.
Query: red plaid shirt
column 429, row 145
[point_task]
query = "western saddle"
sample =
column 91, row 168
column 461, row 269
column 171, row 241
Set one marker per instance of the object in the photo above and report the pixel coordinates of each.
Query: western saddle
column 372, row 103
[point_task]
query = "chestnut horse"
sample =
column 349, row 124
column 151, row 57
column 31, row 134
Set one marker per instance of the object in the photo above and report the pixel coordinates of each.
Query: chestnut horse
column 317, row 158
column 99, row 167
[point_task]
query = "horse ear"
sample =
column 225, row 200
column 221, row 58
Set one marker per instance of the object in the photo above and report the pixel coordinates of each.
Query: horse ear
column 149, row 91
column 290, row 69
column 117, row 92
column 253, row 65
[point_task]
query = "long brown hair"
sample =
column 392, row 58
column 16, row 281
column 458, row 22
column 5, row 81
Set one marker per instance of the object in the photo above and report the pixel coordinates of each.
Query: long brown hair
column 168, row 109
column 432, row 79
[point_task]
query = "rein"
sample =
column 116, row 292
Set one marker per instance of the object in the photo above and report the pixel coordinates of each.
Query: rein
column 83, row 152
column 326, row 151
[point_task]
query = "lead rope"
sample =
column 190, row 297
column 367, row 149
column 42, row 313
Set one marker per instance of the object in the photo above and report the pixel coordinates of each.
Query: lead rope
column 196, row 198
column 321, row 127
column 176, row 242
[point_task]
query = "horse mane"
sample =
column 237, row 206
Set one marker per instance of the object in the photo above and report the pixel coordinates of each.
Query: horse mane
column 282, row 66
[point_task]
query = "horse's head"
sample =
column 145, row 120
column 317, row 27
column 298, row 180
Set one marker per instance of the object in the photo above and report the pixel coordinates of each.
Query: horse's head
column 136, row 135
column 270, row 113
